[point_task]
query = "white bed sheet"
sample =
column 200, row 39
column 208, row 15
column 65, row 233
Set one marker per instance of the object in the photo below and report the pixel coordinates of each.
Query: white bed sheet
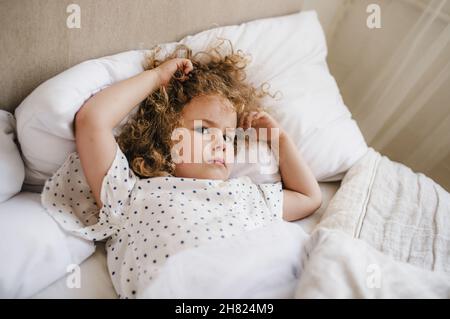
column 96, row 282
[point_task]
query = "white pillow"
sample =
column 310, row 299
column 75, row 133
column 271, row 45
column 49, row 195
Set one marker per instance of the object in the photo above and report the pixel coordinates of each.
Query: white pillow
column 12, row 170
column 289, row 52
column 263, row 170
column 34, row 250
column 45, row 117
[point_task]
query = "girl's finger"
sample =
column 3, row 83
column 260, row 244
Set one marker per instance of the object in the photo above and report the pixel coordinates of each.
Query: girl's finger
column 188, row 66
column 185, row 67
column 245, row 126
column 241, row 120
column 260, row 114
column 251, row 118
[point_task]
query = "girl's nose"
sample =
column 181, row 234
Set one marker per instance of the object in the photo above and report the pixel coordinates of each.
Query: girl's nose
column 218, row 143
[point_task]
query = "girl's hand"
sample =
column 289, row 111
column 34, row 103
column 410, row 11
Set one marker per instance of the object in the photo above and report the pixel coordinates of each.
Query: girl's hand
column 166, row 70
column 260, row 119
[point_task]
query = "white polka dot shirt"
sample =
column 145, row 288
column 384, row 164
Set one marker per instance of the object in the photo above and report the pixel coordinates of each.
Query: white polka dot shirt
column 145, row 221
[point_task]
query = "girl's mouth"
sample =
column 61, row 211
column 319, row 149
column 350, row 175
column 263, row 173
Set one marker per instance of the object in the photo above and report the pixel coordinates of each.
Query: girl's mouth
column 217, row 161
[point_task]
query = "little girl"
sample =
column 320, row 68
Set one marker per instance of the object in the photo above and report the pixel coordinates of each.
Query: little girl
column 150, row 206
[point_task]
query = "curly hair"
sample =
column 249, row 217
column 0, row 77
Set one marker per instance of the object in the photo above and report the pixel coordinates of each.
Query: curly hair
column 146, row 137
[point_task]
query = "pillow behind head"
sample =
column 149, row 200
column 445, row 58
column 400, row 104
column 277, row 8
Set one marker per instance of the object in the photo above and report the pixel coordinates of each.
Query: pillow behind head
column 262, row 170
column 45, row 117
column 288, row 52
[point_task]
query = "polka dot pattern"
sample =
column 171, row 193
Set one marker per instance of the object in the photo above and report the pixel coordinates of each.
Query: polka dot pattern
column 145, row 221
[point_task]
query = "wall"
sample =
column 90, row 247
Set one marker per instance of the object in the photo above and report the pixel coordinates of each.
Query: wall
column 395, row 83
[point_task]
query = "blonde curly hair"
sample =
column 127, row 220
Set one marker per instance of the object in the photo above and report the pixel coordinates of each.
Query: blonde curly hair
column 146, row 137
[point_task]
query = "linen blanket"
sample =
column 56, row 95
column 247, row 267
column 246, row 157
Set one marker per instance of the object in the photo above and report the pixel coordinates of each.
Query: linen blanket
column 385, row 234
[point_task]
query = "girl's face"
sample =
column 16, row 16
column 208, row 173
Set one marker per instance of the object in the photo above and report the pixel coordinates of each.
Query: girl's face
column 210, row 121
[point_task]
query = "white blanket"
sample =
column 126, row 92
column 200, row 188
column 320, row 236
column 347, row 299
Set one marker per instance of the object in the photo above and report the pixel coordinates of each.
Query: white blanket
column 339, row 266
column 385, row 234
column 263, row 263
column 403, row 214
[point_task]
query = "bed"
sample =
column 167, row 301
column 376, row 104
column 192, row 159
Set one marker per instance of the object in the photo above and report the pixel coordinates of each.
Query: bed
column 383, row 232
column 377, row 216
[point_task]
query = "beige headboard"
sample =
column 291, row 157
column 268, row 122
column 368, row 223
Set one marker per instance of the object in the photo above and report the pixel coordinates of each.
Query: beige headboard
column 36, row 43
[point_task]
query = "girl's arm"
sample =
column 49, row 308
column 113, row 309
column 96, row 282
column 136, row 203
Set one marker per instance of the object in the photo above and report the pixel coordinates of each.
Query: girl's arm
column 302, row 195
column 95, row 120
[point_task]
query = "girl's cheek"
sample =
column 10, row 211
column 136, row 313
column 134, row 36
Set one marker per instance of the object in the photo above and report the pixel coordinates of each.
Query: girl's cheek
column 229, row 153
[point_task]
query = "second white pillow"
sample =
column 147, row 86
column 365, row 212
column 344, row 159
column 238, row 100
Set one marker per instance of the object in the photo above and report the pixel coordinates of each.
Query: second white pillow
column 12, row 170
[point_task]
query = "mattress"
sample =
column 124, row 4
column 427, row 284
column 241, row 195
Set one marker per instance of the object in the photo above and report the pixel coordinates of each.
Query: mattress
column 95, row 280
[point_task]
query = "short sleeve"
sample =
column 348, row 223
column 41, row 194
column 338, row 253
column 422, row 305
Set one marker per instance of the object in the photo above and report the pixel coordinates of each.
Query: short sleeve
column 273, row 196
column 68, row 198
column 117, row 184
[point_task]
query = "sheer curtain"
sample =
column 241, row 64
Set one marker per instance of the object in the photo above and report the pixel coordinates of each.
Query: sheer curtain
column 395, row 79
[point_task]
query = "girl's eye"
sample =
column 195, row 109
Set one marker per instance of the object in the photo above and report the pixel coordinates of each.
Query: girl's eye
column 206, row 130
column 228, row 138
column 202, row 130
